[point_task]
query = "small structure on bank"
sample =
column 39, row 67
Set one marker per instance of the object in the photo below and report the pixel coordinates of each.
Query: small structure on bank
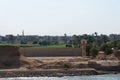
column 84, row 44
column 101, row 55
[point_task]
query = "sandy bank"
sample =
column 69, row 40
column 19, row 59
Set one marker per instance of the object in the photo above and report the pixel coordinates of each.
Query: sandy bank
column 14, row 64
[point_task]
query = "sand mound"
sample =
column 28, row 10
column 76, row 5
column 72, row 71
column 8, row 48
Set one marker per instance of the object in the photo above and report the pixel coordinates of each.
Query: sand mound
column 10, row 57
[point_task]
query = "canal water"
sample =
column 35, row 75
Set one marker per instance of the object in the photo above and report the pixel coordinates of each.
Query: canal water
column 93, row 77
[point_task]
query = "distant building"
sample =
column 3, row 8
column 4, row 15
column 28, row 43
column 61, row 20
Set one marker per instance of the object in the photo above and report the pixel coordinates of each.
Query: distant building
column 1, row 38
column 114, row 37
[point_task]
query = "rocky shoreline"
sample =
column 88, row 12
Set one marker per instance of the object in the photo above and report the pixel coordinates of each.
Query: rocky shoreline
column 53, row 73
column 48, row 73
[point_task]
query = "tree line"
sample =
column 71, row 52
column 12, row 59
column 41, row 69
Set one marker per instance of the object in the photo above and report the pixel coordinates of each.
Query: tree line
column 95, row 41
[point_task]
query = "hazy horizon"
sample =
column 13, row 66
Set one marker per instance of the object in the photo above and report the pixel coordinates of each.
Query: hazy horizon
column 57, row 17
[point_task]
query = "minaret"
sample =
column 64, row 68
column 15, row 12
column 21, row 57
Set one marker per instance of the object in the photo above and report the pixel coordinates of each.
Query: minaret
column 23, row 33
column 23, row 36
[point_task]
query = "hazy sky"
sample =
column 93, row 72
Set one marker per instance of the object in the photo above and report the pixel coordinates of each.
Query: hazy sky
column 56, row 17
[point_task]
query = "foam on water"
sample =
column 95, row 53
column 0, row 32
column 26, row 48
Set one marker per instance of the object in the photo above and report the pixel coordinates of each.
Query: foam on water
column 93, row 77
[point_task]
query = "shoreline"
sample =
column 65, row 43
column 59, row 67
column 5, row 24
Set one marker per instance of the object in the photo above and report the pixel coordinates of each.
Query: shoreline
column 47, row 73
column 53, row 73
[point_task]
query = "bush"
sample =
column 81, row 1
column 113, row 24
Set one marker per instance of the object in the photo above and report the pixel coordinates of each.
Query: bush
column 118, row 45
column 69, row 45
column 23, row 42
column 93, row 51
column 106, row 48
column 34, row 42
column 88, row 50
column 44, row 43
column 66, row 65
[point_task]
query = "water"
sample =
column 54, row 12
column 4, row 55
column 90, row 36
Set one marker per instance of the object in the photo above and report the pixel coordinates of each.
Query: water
column 94, row 77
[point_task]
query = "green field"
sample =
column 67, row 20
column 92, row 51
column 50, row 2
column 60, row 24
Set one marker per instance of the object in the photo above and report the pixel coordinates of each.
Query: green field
column 53, row 46
column 37, row 45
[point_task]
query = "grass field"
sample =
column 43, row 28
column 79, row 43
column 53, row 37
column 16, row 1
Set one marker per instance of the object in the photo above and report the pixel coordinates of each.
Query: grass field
column 53, row 46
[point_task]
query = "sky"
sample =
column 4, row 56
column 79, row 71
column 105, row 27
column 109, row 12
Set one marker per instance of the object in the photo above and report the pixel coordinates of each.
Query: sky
column 57, row 17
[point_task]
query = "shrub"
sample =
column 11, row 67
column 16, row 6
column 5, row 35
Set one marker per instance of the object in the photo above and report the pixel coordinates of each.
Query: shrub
column 93, row 51
column 34, row 42
column 68, row 45
column 118, row 45
column 106, row 48
column 88, row 50
column 66, row 65
column 44, row 43
column 23, row 42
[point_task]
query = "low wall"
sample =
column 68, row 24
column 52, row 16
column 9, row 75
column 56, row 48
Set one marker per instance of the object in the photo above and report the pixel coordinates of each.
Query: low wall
column 50, row 52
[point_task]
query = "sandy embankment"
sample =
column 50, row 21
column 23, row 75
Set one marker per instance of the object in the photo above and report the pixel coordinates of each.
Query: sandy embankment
column 13, row 63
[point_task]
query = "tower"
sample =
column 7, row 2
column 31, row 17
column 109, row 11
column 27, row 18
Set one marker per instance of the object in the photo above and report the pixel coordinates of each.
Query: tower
column 23, row 40
column 84, row 44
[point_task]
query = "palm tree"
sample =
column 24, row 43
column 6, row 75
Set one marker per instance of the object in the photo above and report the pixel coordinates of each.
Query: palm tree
column 95, row 38
column 65, row 38
column 96, row 33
